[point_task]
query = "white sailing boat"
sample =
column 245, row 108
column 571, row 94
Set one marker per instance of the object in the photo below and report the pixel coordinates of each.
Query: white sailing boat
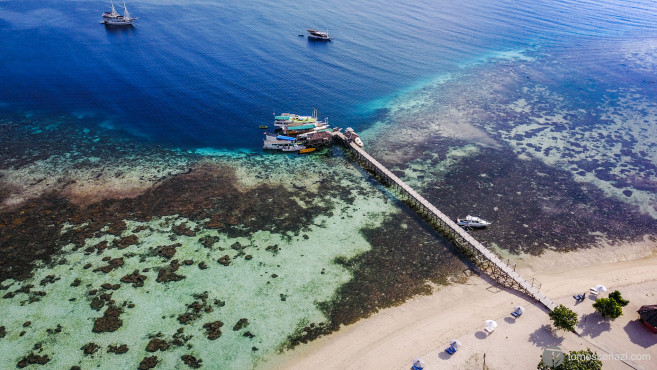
column 113, row 18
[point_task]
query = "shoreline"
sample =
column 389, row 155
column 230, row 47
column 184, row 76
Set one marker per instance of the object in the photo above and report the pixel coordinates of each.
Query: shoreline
column 423, row 326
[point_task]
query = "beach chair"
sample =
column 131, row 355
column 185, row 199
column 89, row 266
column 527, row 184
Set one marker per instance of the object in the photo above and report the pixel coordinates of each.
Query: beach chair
column 450, row 350
column 578, row 297
column 593, row 291
column 515, row 314
column 416, row 368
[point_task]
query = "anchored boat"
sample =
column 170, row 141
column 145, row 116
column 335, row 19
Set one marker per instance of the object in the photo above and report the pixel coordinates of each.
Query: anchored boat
column 472, row 221
column 113, row 18
column 318, row 35
column 280, row 142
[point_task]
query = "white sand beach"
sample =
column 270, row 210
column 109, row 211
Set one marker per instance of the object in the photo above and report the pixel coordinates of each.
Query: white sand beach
column 424, row 326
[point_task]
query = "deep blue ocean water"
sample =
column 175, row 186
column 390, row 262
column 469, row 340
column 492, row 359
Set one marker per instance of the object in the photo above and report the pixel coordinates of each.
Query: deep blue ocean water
column 207, row 73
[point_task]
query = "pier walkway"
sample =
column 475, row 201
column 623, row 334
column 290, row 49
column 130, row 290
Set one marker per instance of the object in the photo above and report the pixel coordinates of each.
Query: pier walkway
column 485, row 259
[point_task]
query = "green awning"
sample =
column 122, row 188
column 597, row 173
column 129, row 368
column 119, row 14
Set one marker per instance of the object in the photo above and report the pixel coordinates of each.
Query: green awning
column 302, row 127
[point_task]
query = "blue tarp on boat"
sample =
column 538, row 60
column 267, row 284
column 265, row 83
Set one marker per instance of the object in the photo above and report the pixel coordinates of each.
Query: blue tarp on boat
column 281, row 137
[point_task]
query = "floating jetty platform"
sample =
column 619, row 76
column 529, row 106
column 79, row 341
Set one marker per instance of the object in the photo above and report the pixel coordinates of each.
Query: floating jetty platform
column 485, row 260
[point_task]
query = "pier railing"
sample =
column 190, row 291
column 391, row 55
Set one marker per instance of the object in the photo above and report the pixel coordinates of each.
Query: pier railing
column 481, row 256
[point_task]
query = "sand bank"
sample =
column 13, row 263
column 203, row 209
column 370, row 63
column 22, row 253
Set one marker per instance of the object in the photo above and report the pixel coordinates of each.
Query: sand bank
column 424, row 326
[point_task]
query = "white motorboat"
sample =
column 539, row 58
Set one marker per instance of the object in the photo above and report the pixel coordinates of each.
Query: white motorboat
column 472, row 221
column 318, row 35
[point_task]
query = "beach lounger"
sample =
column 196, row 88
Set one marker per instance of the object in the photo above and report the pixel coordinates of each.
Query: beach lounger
column 593, row 291
column 450, row 350
column 416, row 368
column 577, row 297
column 515, row 314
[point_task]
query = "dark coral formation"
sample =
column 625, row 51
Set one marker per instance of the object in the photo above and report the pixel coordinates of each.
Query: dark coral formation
column 167, row 251
column 241, row 323
column 112, row 264
column 167, row 274
column 109, row 322
column 552, row 210
column 213, row 329
column 148, row 363
column 208, row 241
column 157, row 344
column 225, row 260
column 191, row 361
column 119, row 350
column 183, row 230
column 33, row 359
column 129, row 240
column 197, row 308
column 90, row 348
column 135, row 278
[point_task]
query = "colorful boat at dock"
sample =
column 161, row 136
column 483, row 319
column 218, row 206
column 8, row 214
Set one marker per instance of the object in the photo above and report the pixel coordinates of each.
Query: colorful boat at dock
column 305, row 134
column 293, row 124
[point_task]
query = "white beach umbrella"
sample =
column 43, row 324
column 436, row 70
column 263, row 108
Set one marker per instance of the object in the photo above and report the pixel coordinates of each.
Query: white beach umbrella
column 519, row 309
column 490, row 325
column 601, row 288
column 418, row 362
column 455, row 343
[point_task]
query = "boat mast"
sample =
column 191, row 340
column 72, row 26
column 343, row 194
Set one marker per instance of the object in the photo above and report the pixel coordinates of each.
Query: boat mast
column 126, row 15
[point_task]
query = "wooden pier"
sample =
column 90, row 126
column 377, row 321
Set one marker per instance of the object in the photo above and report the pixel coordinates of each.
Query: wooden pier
column 485, row 259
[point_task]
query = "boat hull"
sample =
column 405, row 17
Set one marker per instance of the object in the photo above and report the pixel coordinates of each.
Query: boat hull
column 113, row 23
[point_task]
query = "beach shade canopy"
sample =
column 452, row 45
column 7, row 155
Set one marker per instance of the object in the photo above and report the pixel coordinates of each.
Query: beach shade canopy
column 601, row 288
column 455, row 343
column 490, row 325
column 519, row 309
column 418, row 362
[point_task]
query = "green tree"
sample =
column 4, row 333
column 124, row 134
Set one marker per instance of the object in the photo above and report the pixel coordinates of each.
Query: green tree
column 576, row 360
column 616, row 296
column 563, row 318
column 608, row 307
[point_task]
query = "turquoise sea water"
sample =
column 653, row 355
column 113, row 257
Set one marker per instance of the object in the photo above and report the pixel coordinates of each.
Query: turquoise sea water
column 546, row 108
